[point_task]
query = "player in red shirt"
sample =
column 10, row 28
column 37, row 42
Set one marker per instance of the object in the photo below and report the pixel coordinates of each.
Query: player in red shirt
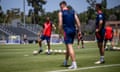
column 46, row 34
column 108, row 35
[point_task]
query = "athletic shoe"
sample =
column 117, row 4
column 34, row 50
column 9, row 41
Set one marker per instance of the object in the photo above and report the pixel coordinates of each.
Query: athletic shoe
column 40, row 51
column 72, row 67
column 100, row 62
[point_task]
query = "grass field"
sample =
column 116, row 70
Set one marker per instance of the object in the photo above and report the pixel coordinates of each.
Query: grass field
column 19, row 58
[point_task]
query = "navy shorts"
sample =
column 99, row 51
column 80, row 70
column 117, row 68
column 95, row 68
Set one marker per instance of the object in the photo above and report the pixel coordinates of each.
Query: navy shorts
column 109, row 39
column 47, row 38
column 100, row 35
column 69, row 37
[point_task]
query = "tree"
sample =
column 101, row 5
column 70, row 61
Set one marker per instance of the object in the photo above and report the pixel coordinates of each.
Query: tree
column 38, row 8
column 91, row 9
column 8, row 17
column 91, row 3
column 22, row 16
column 2, row 16
column 104, row 7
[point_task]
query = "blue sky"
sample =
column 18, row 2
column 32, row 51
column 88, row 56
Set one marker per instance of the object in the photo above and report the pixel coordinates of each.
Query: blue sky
column 78, row 5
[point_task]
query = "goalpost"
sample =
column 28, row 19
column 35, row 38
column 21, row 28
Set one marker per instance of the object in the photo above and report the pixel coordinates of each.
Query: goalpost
column 14, row 39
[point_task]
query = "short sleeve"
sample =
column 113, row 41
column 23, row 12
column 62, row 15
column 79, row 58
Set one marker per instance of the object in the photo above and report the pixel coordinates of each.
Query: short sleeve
column 100, row 17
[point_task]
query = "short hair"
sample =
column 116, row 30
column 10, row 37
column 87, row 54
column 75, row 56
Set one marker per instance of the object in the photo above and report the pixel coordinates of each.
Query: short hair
column 63, row 2
column 99, row 5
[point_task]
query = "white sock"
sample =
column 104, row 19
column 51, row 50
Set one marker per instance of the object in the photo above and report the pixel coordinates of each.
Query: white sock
column 48, row 51
column 74, row 63
column 40, row 48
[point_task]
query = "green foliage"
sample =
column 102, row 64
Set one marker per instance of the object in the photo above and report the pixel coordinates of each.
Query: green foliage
column 83, row 17
column 38, row 8
column 91, row 9
column 2, row 16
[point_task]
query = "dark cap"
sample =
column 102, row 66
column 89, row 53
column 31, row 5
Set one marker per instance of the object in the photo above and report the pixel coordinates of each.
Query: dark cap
column 98, row 5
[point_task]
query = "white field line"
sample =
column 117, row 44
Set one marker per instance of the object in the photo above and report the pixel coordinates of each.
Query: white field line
column 85, row 68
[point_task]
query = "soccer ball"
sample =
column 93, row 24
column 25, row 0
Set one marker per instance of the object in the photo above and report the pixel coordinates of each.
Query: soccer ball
column 59, row 51
column 35, row 52
column 64, row 51
column 46, row 51
column 51, row 50
column 55, row 51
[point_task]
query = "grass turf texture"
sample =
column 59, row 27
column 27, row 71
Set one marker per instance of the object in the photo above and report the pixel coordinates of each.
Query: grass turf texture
column 20, row 58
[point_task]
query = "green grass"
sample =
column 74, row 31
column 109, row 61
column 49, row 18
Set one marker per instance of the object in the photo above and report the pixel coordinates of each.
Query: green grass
column 12, row 59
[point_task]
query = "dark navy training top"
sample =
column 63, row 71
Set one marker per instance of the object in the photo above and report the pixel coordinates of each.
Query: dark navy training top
column 68, row 17
column 100, row 16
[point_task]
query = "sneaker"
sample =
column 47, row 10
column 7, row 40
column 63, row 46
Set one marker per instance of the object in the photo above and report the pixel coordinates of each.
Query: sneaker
column 100, row 62
column 40, row 51
column 72, row 67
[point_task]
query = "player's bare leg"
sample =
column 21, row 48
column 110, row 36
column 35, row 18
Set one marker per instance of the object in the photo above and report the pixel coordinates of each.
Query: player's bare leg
column 82, row 43
column 112, row 45
column 101, row 50
column 78, row 43
column 48, row 44
column 40, row 45
column 72, row 55
column 105, row 47
column 66, row 56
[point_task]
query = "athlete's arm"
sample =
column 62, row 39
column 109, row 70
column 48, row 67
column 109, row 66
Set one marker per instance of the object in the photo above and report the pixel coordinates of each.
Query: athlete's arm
column 100, row 25
column 100, row 22
column 112, row 33
column 53, row 27
column 77, row 22
column 60, row 22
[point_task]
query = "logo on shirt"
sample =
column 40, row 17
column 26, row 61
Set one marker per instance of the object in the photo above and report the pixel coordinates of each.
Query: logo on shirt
column 100, row 16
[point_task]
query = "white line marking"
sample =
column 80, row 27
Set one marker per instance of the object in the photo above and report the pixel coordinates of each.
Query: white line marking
column 85, row 68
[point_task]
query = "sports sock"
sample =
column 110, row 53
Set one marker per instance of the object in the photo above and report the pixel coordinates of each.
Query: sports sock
column 101, row 58
column 65, row 62
column 48, row 50
column 40, row 48
column 74, row 63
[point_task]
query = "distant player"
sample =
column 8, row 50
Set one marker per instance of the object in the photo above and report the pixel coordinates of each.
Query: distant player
column 46, row 34
column 80, row 38
column 25, row 39
column 67, row 18
column 100, row 32
column 108, row 36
